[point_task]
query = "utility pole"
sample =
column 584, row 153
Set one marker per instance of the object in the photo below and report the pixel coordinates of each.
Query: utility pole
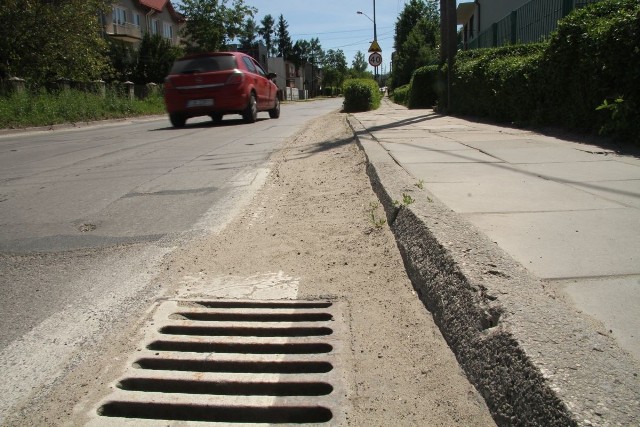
column 448, row 45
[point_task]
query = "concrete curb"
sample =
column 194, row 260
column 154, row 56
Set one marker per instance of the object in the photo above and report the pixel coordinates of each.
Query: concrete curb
column 535, row 361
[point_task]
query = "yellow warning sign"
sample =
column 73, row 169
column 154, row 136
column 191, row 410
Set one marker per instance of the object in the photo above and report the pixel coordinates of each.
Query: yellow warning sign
column 375, row 47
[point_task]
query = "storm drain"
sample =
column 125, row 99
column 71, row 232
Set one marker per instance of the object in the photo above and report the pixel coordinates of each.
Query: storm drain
column 234, row 361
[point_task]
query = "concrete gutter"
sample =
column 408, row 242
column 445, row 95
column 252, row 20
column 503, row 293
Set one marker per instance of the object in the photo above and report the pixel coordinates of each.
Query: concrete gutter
column 533, row 359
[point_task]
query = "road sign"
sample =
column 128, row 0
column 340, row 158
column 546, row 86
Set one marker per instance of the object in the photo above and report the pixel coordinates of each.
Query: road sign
column 375, row 47
column 375, row 59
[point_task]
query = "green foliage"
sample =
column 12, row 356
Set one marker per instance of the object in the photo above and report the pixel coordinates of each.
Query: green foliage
column 426, row 86
column 400, row 95
column 211, row 23
column 46, row 40
column 43, row 109
column 267, row 32
column 416, row 39
column 595, row 57
column 359, row 63
column 335, row 68
column 587, row 77
column 154, row 59
column 361, row 95
column 284, row 45
column 501, row 83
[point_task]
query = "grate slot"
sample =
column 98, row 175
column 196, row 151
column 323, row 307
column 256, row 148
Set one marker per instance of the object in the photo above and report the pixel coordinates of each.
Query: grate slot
column 253, row 317
column 211, row 331
column 234, row 366
column 212, row 347
column 231, row 388
column 266, row 305
column 236, row 414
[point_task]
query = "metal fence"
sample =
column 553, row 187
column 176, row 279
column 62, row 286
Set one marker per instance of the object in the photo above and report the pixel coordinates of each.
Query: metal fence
column 532, row 22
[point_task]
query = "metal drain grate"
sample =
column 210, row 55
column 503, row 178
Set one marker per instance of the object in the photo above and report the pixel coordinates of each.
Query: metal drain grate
column 233, row 362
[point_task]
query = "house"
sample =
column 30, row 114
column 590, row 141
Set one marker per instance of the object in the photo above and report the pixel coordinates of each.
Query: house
column 491, row 23
column 296, row 82
column 132, row 19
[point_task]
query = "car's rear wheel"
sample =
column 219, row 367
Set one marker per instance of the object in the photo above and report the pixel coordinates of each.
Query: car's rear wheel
column 250, row 114
column 274, row 113
column 177, row 120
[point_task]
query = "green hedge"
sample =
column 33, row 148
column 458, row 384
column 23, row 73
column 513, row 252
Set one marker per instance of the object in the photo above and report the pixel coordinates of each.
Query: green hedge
column 586, row 77
column 400, row 95
column 595, row 59
column 425, row 86
column 500, row 83
column 361, row 95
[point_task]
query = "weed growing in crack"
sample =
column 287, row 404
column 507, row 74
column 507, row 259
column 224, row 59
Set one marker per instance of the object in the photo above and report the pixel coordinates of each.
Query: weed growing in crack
column 376, row 222
column 420, row 184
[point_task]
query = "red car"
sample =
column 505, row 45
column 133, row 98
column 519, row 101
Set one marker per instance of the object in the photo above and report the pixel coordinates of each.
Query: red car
column 215, row 84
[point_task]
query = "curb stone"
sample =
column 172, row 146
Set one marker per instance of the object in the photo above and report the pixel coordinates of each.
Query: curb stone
column 536, row 361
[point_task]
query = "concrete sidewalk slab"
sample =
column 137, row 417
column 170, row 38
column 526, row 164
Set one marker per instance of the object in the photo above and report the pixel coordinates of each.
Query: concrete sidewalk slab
column 526, row 249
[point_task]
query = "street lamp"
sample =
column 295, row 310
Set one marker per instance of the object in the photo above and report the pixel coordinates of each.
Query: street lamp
column 375, row 30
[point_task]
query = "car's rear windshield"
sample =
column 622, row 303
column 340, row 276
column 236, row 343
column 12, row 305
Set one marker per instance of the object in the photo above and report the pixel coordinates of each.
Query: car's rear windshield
column 203, row 64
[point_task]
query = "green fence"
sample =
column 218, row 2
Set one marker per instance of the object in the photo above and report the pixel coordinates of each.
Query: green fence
column 530, row 23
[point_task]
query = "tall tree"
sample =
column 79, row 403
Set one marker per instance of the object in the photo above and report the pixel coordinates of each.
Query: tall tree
column 267, row 32
column 154, row 59
column 316, row 54
column 301, row 52
column 248, row 34
column 210, row 24
column 416, row 39
column 359, row 64
column 284, row 45
column 335, row 68
column 45, row 40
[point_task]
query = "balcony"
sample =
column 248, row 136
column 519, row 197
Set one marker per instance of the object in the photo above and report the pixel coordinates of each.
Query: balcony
column 126, row 32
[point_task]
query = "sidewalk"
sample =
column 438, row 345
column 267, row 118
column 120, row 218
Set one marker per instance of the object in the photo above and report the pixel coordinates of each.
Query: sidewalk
column 490, row 200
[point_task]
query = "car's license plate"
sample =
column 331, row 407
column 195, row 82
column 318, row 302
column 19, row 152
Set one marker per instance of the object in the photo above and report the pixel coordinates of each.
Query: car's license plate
column 200, row 103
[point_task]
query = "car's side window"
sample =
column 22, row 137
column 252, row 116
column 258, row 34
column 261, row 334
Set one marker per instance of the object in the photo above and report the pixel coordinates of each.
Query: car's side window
column 250, row 66
column 261, row 71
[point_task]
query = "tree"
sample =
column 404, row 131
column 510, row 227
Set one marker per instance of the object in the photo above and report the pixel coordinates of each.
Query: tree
column 284, row 45
column 416, row 39
column 316, row 54
column 46, row 40
column 267, row 32
column 301, row 52
column 211, row 23
column 248, row 34
column 335, row 68
column 154, row 59
column 359, row 63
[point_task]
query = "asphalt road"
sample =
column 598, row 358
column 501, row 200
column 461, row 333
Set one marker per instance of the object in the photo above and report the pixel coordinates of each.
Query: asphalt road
column 87, row 214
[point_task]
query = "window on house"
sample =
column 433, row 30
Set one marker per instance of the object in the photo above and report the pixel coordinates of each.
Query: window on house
column 155, row 26
column 167, row 31
column 119, row 16
column 136, row 19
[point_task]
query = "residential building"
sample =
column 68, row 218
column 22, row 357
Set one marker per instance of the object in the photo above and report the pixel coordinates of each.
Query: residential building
column 132, row 19
column 491, row 23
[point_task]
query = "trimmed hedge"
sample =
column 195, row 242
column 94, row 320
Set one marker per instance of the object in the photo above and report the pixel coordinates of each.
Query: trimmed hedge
column 425, row 86
column 361, row 95
column 595, row 59
column 400, row 95
column 587, row 77
column 501, row 83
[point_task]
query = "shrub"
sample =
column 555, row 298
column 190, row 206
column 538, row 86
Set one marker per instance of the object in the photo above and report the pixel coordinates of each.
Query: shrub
column 426, row 85
column 361, row 95
column 400, row 95
column 595, row 59
column 501, row 83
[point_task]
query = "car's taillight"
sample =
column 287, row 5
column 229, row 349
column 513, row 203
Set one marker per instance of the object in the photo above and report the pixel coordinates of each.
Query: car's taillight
column 235, row 78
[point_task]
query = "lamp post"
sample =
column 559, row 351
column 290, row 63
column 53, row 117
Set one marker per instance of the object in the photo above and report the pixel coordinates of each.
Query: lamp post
column 375, row 30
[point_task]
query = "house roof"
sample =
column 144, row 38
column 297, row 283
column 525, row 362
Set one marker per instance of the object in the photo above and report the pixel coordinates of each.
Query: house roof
column 154, row 4
column 158, row 5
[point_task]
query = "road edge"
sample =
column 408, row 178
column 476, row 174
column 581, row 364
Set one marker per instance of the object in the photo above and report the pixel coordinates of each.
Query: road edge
column 533, row 359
